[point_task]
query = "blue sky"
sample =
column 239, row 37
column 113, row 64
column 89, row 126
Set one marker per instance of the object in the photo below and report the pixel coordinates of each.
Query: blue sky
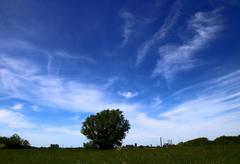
column 173, row 67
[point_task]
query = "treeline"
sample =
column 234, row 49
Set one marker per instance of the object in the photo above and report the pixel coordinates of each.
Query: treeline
column 202, row 141
column 14, row 142
column 223, row 140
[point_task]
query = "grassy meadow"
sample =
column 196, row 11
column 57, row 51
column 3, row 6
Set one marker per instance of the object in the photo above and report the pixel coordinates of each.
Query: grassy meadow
column 176, row 155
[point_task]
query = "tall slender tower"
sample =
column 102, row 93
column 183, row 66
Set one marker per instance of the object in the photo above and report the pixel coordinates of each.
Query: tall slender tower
column 160, row 141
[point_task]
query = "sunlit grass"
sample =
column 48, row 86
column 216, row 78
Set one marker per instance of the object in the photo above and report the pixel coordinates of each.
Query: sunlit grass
column 183, row 155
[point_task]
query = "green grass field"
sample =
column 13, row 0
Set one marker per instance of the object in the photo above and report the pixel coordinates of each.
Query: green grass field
column 183, row 155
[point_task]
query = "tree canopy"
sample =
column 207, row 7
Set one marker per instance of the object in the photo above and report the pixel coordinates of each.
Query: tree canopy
column 106, row 129
column 15, row 142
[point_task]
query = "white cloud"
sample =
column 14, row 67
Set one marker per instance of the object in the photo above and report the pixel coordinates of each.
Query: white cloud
column 17, row 106
column 8, row 44
column 17, row 66
column 170, row 21
column 129, row 22
column 19, row 44
column 66, row 55
column 49, row 64
column 111, row 81
column 157, row 101
column 14, row 119
column 44, row 135
column 174, row 59
column 71, row 131
column 212, row 109
column 76, row 118
column 53, row 91
column 35, row 108
column 128, row 94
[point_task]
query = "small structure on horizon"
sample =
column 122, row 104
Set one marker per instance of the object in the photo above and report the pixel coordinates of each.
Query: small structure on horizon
column 54, row 146
column 161, row 142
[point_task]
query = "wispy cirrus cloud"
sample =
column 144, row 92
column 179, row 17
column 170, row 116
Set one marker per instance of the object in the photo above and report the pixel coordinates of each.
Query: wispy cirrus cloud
column 20, row 44
column 17, row 44
column 176, row 58
column 210, row 108
column 53, row 91
column 157, row 101
column 66, row 55
column 169, row 23
column 129, row 22
column 49, row 64
column 212, row 111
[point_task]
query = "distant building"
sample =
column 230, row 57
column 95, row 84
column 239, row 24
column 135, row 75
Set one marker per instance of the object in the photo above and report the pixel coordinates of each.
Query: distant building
column 54, row 146
column 135, row 145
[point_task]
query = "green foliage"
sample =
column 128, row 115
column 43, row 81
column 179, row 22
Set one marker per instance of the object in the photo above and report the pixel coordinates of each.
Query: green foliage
column 14, row 142
column 2, row 146
column 227, row 140
column 223, row 140
column 106, row 129
column 197, row 142
column 89, row 145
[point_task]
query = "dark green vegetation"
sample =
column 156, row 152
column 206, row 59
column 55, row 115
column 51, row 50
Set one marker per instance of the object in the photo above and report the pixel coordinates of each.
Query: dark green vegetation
column 223, row 140
column 106, row 129
column 14, row 142
column 175, row 155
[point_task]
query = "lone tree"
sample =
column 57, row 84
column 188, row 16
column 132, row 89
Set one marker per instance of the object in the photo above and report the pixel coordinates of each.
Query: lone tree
column 106, row 129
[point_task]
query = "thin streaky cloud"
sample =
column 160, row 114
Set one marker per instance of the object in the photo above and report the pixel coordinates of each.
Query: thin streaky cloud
column 157, row 101
column 49, row 64
column 21, row 44
column 55, row 91
column 177, row 58
column 66, row 55
column 212, row 112
column 210, row 102
column 23, row 67
column 169, row 23
column 217, row 83
column 129, row 22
